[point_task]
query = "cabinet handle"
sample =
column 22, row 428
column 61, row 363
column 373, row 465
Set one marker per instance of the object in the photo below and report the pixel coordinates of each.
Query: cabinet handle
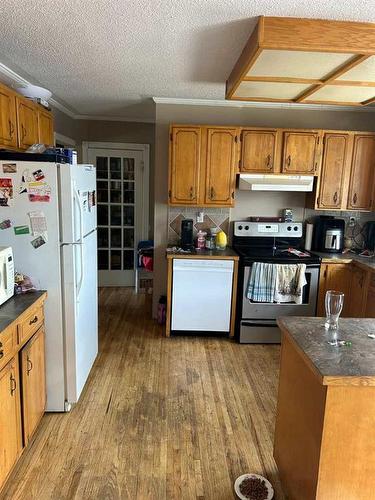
column 316, row 166
column 269, row 161
column 11, row 128
column 355, row 198
column 29, row 365
column 288, row 161
column 1, row 354
column 23, row 132
column 1, row 344
column 191, row 192
column 212, row 195
column 34, row 320
column 13, row 384
column 335, row 197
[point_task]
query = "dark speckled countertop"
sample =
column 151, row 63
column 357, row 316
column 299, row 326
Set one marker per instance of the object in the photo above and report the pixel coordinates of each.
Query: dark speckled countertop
column 15, row 306
column 335, row 365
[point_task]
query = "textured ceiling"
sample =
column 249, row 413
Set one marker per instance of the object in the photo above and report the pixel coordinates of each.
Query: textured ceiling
column 109, row 57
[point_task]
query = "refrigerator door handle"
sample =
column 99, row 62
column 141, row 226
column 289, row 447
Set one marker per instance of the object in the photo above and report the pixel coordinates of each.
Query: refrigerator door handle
column 80, row 242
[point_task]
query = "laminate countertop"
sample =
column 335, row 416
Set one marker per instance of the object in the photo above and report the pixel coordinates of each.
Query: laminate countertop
column 345, row 365
column 227, row 254
column 347, row 258
column 17, row 305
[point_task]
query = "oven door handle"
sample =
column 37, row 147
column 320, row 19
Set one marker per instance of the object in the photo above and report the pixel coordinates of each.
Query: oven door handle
column 262, row 325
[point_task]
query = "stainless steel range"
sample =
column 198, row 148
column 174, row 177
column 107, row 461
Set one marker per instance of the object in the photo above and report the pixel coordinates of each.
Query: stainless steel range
column 270, row 242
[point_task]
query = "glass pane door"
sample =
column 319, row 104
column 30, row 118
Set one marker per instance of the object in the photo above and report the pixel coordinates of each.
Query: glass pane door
column 117, row 176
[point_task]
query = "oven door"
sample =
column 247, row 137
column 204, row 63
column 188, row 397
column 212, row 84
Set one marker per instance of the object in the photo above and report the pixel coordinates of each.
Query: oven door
column 262, row 310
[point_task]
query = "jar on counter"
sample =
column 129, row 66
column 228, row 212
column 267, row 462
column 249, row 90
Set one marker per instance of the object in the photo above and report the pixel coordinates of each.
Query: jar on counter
column 201, row 240
column 210, row 242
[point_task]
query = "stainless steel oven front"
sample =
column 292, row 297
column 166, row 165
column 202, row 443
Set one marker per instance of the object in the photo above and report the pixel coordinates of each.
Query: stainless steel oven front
column 258, row 319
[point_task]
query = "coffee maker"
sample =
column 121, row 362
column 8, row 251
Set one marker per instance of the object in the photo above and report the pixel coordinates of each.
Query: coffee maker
column 369, row 234
column 328, row 234
column 187, row 237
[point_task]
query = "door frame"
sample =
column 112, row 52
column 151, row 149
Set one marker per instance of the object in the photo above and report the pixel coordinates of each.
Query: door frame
column 143, row 230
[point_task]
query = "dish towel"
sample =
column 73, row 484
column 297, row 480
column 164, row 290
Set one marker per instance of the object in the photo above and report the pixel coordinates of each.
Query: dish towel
column 262, row 282
column 290, row 280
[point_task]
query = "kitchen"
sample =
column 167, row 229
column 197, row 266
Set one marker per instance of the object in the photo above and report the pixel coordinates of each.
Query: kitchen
column 182, row 385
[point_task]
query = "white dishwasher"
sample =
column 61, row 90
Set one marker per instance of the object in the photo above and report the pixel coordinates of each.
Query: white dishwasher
column 202, row 295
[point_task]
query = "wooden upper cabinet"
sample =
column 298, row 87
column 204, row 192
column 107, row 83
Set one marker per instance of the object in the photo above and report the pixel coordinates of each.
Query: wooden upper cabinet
column 27, row 123
column 33, row 383
column 45, row 127
column 8, row 121
column 184, row 170
column 362, row 173
column 10, row 422
column 333, row 172
column 221, row 166
column 258, row 151
column 300, row 152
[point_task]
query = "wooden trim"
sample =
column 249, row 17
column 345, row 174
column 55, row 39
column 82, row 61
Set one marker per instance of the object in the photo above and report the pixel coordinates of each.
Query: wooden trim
column 368, row 101
column 234, row 299
column 247, row 58
column 290, row 33
column 281, row 79
column 339, row 72
column 350, row 83
column 335, row 103
column 260, row 99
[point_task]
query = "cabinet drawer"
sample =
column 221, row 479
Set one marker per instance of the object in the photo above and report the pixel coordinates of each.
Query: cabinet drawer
column 8, row 340
column 30, row 325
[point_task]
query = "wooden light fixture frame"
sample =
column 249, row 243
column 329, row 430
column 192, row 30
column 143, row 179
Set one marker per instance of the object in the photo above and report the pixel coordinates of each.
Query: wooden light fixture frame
column 311, row 35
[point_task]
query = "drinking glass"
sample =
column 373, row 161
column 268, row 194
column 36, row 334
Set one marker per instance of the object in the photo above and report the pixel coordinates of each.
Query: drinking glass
column 334, row 302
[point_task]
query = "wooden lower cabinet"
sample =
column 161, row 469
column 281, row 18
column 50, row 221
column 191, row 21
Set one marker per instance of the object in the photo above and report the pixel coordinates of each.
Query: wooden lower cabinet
column 355, row 281
column 22, row 380
column 357, row 296
column 334, row 277
column 10, row 418
column 33, row 383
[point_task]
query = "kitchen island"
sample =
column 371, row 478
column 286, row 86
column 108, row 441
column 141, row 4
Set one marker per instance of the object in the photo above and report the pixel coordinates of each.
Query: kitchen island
column 325, row 425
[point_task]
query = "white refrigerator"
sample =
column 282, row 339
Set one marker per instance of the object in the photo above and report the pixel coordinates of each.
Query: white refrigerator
column 52, row 212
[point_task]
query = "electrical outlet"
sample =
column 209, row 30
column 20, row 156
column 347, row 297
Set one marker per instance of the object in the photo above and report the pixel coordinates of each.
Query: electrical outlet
column 200, row 217
column 352, row 221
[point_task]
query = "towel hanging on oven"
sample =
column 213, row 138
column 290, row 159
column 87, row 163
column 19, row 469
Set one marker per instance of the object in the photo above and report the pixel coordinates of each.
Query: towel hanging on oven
column 276, row 282
column 262, row 282
column 290, row 280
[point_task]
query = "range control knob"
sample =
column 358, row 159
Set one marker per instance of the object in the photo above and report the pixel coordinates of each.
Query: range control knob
column 296, row 228
column 240, row 228
column 289, row 228
column 246, row 228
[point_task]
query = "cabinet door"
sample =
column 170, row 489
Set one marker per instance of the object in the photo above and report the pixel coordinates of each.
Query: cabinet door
column 333, row 170
column 27, row 123
column 185, row 158
column 8, row 129
column 33, row 383
column 10, row 418
column 362, row 173
column 45, row 127
column 221, row 166
column 258, row 151
column 357, row 302
column 370, row 304
column 300, row 152
column 334, row 277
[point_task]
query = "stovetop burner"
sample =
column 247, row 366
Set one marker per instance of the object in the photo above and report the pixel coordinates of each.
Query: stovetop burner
column 269, row 242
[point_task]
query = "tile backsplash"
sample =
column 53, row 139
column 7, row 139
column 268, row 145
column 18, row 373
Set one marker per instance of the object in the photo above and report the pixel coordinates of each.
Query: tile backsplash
column 213, row 218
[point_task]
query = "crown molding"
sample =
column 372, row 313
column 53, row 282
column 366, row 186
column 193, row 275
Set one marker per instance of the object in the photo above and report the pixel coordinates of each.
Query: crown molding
column 114, row 118
column 16, row 79
column 269, row 105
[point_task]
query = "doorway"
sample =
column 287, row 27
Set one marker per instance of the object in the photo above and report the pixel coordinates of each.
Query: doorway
column 122, row 172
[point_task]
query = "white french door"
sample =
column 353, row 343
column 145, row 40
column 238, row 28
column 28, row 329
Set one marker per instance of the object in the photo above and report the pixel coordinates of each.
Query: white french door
column 122, row 205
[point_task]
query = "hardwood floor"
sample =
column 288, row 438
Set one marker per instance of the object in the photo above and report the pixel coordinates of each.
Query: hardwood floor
column 159, row 418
